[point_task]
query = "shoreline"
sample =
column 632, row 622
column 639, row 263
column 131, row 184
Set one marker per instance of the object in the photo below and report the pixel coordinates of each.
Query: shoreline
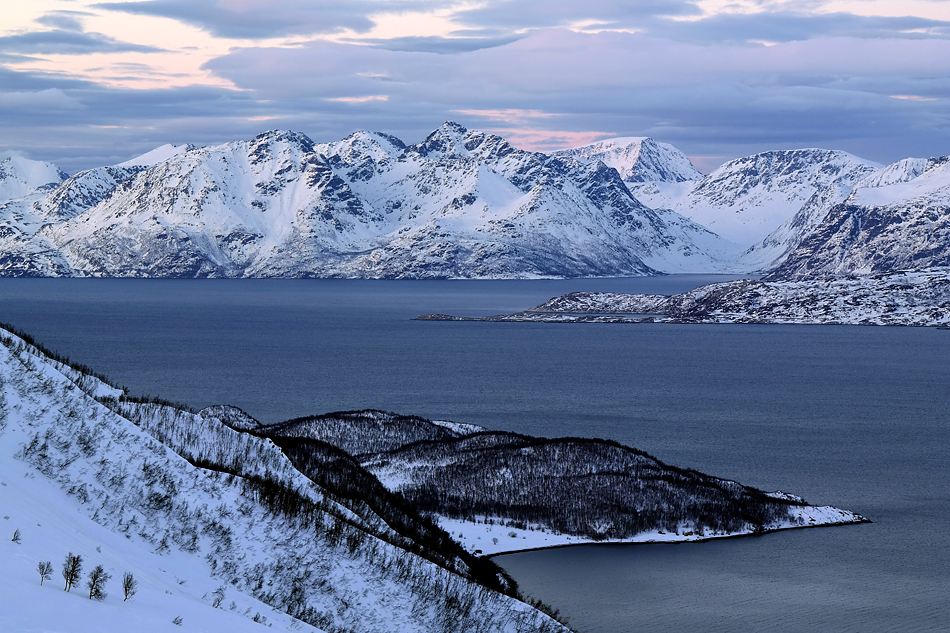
column 705, row 539
column 495, row 539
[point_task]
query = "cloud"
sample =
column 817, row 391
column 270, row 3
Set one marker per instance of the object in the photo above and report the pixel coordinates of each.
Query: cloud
column 789, row 26
column 533, row 14
column 710, row 95
column 366, row 99
column 825, row 92
column 435, row 44
column 535, row 140
column 49, row 100
column 63, row 42
column 258, row 19
column 63, row 20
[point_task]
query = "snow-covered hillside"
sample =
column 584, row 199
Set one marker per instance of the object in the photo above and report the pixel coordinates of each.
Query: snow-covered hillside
column 21, row 177
column 459, row 204
column 765, row 201
column 896, row 218
column 246, row 542
column 637, row 159
column 916, row 298
column 499, row 492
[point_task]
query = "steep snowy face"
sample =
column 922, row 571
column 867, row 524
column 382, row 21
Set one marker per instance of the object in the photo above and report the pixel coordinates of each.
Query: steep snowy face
column 209, row 211
column 638, row 159
column 749, row 198
column 894, row 220
column 21, row 177
column 157, row 155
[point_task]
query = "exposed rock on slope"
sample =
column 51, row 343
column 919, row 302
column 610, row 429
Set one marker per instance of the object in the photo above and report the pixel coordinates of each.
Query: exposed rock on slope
column 458, row 204
column 897, row 218
column 919, row 298
column 775, row 197
column 637, row 159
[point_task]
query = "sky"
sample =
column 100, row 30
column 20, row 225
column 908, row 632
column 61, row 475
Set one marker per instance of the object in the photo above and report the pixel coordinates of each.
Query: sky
column 85, row 83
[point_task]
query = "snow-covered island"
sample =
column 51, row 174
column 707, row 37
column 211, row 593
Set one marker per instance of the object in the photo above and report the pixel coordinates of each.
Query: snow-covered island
column 358, row 521
column 915, row 298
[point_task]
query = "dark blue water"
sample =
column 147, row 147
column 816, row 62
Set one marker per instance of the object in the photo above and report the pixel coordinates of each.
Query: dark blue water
column 852, row 416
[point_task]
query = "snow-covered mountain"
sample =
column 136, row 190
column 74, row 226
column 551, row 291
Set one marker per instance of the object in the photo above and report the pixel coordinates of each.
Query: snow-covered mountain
column 21, row 177
column 637, row 159
column 765, row 201
column 459, row 204
column 897, row 218
column 217, row 527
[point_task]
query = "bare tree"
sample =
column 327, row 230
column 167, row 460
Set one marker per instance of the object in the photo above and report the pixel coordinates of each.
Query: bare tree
column 97, row 580
column 45, row 570
column 129, row 585
column 72, row 568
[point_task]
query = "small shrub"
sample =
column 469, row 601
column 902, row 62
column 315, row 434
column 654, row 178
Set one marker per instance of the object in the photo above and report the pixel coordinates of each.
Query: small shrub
column 45, row 570
column 72, row 568
column 129, row 585
column 96, row 582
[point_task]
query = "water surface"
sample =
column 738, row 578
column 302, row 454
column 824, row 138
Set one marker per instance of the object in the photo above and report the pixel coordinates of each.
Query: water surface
column 843, row 415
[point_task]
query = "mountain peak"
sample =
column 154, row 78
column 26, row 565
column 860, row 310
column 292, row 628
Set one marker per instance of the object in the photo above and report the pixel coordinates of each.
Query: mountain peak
column 21, row 176
column 284, row 136
column 637, row 158
column 448, row 141
column 158, row 155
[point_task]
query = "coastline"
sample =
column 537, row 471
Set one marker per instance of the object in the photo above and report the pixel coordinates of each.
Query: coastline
column 489, row 540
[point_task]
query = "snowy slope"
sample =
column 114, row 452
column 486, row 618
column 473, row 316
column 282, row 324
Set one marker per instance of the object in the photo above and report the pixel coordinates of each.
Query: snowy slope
column 488, row 487
column 78, row 477
column 637, row 159
column 24, row 184
column 896, row 219
column 914, row 298
column 764, row 201
column 157, row 155
column 21, row 177
column 459, row 204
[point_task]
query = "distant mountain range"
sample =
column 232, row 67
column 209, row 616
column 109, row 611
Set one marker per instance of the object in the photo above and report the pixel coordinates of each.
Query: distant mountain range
column 465, row 204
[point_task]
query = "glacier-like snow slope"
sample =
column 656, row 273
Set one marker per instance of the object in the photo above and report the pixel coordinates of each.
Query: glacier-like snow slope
column 763, row 202
column 157, row 155
column 897, row 218
column 459, row 204
column 78, row 477
column 21, row 177
column 644, row 163
column 637, row 159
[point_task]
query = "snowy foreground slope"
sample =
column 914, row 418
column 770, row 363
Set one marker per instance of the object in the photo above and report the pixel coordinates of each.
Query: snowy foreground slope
column 499, row 492
column 916, row 298
column 249, row 542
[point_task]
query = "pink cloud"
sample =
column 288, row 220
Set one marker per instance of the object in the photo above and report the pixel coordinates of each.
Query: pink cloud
column 547, row 140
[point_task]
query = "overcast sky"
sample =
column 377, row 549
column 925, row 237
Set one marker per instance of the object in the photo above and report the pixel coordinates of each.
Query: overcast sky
column 87, row 82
